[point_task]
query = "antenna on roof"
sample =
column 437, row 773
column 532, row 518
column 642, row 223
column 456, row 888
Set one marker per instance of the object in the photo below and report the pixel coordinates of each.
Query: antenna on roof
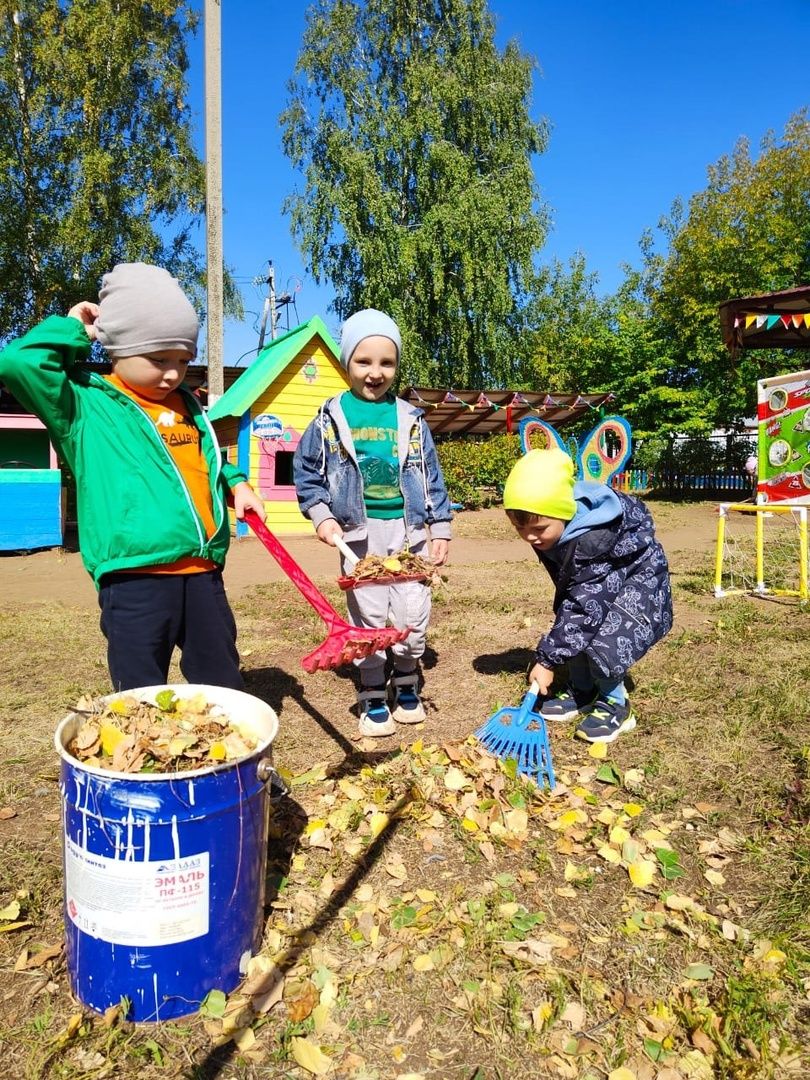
column 269, row 305
column 273, row 304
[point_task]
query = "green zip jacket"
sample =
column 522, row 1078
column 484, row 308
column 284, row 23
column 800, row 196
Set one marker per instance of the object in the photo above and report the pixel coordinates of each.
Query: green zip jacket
column 134, row 507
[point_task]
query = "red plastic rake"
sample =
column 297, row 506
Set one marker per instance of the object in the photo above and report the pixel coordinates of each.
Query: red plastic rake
column 343, row 642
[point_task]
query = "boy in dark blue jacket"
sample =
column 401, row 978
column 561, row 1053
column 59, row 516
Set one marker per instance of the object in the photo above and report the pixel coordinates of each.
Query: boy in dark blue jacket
column 612, row 600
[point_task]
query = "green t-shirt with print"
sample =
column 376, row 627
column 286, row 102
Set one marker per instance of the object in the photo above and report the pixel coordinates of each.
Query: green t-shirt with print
column 373, row 425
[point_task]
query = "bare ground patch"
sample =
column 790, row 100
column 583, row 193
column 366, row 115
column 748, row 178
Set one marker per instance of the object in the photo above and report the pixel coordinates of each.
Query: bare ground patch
column 444, row 920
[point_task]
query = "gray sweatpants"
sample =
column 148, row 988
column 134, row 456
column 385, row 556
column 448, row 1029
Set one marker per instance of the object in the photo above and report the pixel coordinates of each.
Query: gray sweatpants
column 403, row 605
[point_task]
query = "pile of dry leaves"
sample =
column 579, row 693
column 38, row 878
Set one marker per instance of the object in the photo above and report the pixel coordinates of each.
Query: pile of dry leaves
column 174, row 734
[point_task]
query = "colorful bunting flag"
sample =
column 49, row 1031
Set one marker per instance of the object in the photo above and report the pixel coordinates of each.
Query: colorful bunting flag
column 797, row 320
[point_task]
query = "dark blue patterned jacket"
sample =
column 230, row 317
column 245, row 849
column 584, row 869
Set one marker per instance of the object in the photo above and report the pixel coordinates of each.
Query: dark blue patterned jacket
column 613, row 599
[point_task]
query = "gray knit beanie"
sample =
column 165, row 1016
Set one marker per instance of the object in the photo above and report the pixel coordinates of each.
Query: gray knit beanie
column 142, row 310
column 367, row 323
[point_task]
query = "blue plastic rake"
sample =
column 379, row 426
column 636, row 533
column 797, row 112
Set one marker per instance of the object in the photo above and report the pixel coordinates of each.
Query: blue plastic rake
column 520, row 735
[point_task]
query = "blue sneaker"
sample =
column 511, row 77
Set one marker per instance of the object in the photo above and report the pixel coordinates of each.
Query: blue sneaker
column 571, row 704
column 606, row 721
column 375, row 717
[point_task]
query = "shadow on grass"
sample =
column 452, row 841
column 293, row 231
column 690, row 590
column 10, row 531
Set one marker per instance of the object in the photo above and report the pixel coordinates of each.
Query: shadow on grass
column 274, row 685
column 511, row 661
column 286, row 825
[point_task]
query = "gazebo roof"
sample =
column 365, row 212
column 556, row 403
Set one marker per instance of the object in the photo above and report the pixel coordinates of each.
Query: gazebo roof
column 776, row 320
column 487, row 412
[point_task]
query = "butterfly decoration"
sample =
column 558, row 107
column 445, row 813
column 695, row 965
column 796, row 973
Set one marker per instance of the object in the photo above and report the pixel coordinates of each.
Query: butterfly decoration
column 598, row 456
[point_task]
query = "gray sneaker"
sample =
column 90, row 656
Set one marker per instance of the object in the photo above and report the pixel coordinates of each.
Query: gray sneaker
column 375, row 717
column 571, row 704
column 606, row 721
column 408, row 709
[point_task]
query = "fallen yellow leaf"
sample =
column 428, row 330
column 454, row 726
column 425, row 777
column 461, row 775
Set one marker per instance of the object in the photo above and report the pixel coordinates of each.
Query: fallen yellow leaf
column 618, row 835
column 244, row 1038
column 111, row 736
column 622, row 1074
column 545, row 1010
column 597, row 750
column 714, row 877
column 609, row 854
column 454, row 779
column 576, row 873
column 572, row 817
column 378, row 821
column 641, row 873
column 310, row 1056
column 516, row 821
column 423, row 962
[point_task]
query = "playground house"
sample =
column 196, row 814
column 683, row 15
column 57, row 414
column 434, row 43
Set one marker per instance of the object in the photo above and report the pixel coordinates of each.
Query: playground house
column 31, row 496
column 259, row 420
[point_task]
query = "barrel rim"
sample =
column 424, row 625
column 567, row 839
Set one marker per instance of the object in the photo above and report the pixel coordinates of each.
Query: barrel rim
column 187, row 774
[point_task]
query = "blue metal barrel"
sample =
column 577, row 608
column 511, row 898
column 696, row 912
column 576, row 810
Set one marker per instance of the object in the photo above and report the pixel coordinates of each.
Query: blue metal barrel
column 164, row 872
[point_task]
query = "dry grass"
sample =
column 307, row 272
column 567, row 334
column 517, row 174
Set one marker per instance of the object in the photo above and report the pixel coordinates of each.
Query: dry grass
column 723, row 743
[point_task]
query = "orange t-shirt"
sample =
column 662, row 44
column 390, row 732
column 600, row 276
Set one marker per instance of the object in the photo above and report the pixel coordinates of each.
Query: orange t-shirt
column 182, row 439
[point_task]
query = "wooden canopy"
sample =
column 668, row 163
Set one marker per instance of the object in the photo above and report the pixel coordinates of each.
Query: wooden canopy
column 777, row 320
column 488, row 412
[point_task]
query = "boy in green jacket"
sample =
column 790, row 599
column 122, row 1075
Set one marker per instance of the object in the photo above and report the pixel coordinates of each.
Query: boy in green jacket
column 150, row 480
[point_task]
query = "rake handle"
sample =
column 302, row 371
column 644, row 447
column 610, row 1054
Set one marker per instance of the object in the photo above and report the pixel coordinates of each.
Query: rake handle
column 345, row 551
column 311, row 593
column 526, row 706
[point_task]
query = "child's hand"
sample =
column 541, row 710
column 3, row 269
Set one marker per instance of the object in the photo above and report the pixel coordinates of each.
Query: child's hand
column 245, row 498
column 328, row 530
column 87, row 313
column 543, row 676
column 439, row 550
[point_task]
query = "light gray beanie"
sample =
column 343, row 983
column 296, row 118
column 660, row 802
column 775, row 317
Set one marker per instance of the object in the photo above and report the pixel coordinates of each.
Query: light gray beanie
column 367, row 323
column 142, row 309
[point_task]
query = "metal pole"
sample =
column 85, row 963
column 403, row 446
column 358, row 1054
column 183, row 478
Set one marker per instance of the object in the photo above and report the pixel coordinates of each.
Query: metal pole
column 213, row 196
column 271, row 281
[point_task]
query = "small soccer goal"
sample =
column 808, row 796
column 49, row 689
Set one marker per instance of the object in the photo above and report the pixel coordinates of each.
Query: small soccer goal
column 761, row 549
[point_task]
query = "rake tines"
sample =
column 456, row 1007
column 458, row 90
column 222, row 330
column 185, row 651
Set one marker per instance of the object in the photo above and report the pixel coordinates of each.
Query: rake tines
column 343, row 642
column 520, row 735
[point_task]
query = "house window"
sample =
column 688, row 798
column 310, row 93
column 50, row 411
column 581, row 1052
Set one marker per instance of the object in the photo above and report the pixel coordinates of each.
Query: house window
column 284, row 468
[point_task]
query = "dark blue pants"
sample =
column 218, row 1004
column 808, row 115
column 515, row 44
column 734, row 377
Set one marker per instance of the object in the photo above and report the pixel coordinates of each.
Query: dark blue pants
column 144, row 616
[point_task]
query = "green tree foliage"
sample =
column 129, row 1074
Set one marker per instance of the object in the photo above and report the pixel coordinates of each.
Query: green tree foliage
column 656, row 344
column 748, row 232
column 96, row 161
column 582, row 342
column 475, row 469
column 413, row 134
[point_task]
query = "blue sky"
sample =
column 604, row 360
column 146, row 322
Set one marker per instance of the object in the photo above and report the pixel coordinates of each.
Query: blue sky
column 642, row 96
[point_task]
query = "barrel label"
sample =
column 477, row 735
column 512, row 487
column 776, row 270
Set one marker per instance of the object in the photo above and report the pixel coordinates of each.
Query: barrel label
column 159, row 902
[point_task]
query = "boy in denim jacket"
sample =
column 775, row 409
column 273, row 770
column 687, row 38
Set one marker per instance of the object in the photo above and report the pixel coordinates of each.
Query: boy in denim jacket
column 366, row 469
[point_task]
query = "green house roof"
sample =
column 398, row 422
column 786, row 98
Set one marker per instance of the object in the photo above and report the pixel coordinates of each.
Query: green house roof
column 268, row 365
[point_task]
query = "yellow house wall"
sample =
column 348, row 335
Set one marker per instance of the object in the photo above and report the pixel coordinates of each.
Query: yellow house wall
column 296, row 402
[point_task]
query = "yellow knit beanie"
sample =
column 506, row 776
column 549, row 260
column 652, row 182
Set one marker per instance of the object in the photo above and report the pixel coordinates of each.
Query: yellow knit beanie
column 542, row 483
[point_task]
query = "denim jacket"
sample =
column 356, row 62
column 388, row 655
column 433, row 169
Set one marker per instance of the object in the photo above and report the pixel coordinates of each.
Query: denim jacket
column 329, row 485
